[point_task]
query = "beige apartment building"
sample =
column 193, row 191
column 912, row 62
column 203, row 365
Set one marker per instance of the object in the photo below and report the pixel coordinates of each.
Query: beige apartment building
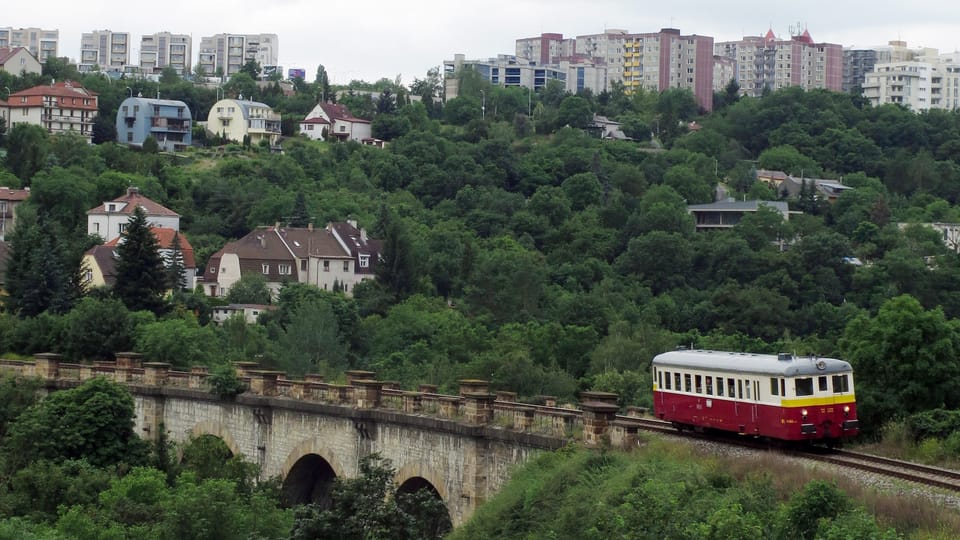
column 229, row 52
column 165, row 49
column 108, row 50
column 41, row 43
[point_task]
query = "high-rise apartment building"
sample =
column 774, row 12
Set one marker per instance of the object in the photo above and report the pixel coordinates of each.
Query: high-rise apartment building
column 546, row 48
column 227, row 53
column 858, row 62
column 769, row 62
column 163, row 49
column 108, row 50
column 662, row 60
column 41, row 43
column 931, row 81
column 606, row 49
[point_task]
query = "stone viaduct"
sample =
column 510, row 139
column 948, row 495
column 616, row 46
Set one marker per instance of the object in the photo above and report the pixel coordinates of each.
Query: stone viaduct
column 309, row 432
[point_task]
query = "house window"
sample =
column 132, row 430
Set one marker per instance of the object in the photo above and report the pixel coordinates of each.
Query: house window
column 326, row 266
column 284, row 269
column 364, row 261
column 121, row 227
column 343, row 129
column 88, row 276
column 265, row 268
column 129, row 136
column 303, row 265
column 346, row 266
column 96, row 227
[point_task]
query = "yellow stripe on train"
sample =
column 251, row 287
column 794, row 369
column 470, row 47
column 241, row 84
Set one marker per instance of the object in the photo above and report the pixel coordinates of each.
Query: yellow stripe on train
column 818, row 401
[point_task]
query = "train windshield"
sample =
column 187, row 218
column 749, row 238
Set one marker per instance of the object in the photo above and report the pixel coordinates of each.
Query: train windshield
column 840, row 384
column 804, row 387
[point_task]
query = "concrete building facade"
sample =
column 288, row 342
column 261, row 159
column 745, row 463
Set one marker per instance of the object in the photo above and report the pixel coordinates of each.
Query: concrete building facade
column 62, row 107
column 108, row 50
column 167, row 121
column 164, row 49
column 41, row 43
column 770, row 63
column 18, row 60
column 662, row 60
column 229, row 52
column 546, row 48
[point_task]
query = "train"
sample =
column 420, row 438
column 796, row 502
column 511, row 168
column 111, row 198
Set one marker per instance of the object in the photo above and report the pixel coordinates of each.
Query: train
column 779, row 397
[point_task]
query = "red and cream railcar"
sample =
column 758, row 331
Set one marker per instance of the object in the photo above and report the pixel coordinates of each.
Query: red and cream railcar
column 775, row 396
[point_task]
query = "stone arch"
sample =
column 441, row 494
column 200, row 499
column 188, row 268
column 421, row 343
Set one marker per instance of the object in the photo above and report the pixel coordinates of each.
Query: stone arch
column 210, row 427
column 308, row 474
column 411, row 471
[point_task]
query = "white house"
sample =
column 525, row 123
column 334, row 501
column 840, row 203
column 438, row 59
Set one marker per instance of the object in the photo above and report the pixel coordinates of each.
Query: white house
column 110, row 218
column 340, row 123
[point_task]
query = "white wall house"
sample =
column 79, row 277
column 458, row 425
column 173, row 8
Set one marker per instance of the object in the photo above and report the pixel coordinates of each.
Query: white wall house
column 110, row 218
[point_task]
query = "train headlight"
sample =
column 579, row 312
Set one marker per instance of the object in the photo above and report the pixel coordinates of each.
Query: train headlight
column 846, row 410
column 803, row 412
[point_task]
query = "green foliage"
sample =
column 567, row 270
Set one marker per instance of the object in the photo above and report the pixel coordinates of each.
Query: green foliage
column 27, row 146
column 369, row 507
column 93, row 421
column 140, row 275
column 181, row 342
column 224, row 382
column 250, row 289
column 96, row 329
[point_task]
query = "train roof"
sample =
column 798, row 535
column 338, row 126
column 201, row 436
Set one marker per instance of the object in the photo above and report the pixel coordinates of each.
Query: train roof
column 783, row 365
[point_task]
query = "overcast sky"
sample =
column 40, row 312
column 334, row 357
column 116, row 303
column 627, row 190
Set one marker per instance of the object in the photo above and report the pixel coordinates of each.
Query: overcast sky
column 383, row 38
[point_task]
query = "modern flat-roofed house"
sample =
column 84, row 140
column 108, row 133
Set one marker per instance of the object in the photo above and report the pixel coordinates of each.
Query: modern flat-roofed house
column 726, row 214
column 236, row 119
column 167, row 121
column 341, row 124
column 333, row 258
column 110, row 218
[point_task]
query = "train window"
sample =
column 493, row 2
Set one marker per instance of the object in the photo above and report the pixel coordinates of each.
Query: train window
column 667, row 380
column 676, row 382
column 783, row 388
column 709, row 381
column 748, row 389
column 804, row 386
column 720, row 386
column 687, row 387
column 699, row 384
column 822, row 383
column 660, row 379
column 740, row 389
column 773, row 386
column 731, row 388
column 840, row 384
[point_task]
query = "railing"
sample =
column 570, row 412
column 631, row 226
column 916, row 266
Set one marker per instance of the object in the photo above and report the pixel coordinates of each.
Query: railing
column 594, row 422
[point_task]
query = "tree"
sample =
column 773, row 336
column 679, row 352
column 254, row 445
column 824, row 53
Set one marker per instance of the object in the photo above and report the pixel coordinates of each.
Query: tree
column 42, row 270
column 370, row 507
column 251, row 68
column 904, row 360
column 27, row 149
column 181, row 342
column 96, row 329
column 301, row 216
column 322, row 82
column 575, row 112
column 93, row 421
column 251, row 288
column 397, row 267
column 176, row 271
column 141, row 278
column 312, row 341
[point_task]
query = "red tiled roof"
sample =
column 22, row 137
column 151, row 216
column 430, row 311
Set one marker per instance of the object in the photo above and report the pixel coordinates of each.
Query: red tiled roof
column 316, row 120
column 165, row 241
column 8, row 194
column 134, row 198
column 335, row 111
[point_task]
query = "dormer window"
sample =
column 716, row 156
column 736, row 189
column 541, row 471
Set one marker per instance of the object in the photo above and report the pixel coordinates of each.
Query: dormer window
column 364, row 261
column 111, row 208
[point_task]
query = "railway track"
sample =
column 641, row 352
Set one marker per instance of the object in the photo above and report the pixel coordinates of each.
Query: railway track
column 893, row 468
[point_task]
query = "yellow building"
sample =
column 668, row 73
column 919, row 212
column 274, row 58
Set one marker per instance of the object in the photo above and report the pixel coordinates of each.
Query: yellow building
column 238, row 118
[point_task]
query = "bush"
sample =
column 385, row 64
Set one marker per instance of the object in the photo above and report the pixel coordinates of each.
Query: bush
column 936, row 423
column 224, row 382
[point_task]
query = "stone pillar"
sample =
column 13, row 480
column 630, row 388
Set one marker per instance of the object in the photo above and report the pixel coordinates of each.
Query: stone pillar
column 506, row 397
column 473, row 386
column 597, row 417
column 598, row 397
column 548, row 401
column 478, row 407
column 624, row 434
column 297, row 389
column 244, row 368
column 358, row 374
column 412, row 402
column 313, row 377
column 47, row 365
column 391, row 385
column 636, row 412
column 366, row 393
column 428, row 388
column 198, row 375
column 129, row 360
column 264, row 383
column 155, row 373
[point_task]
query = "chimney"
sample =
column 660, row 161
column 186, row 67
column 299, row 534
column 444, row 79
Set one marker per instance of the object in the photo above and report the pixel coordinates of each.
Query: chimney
column 352, row 223
column 310, row 227
column 132, row 190
column 263, row 240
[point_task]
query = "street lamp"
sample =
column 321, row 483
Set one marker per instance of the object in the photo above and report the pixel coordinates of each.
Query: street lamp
column 483, row 105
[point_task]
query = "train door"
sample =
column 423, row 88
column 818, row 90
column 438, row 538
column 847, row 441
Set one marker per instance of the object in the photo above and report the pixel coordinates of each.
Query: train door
column 754, row 408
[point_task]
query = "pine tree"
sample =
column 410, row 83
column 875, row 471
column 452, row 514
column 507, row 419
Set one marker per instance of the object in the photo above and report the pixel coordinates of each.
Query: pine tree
column 176, row 271
column 140, row 272
column 300, row 218
column 40, row 274
column 397, row 267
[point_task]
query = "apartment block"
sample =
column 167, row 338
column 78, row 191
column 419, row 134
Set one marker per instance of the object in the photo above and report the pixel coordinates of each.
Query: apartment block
column 858, row 62
column 164, row 49
column 604, row 49
column 768, row 62
column 546, row 48
column 108, row 50
column 41, row 43
column 662, row 60
column 62, row 107
column 576, row 74
column 930, row 82
column 227, row 53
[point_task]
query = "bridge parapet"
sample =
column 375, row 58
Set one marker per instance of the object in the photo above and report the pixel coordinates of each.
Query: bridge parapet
column 595, row 422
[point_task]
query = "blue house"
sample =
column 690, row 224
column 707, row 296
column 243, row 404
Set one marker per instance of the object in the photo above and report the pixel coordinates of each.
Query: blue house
column 167, row 121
